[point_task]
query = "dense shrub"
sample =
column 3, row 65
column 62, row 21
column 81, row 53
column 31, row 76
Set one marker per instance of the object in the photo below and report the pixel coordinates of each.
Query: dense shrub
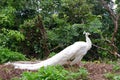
column 7, row 17
column 33, row 44
column 11, row 39
column 8, row 55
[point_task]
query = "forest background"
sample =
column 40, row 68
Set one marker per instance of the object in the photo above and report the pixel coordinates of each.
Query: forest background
column 41, row 28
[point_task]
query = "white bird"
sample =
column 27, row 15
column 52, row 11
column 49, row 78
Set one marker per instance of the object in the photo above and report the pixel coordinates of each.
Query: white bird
column 82, row 48
column 75, row 51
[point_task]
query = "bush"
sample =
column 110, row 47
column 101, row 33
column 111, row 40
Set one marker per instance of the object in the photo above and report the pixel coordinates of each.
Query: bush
column 33, row 43
column 8, row 55
column 54, row 73
column 11, row 39
column 7, row 17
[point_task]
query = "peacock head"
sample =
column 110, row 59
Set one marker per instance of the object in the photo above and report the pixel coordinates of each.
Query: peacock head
column 86, row 33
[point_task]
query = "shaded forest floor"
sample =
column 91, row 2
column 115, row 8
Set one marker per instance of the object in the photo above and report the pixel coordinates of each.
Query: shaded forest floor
column 96, row 70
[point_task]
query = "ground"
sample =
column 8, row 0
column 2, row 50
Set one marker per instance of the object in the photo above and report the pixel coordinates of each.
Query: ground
column 96, row 70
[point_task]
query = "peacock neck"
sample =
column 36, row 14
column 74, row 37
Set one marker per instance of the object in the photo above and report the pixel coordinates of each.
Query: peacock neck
column 88, row 41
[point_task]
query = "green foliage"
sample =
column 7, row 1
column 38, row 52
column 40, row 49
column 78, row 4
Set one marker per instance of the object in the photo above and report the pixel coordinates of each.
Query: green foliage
column 33, row 37
column 13, row 34
column 64, row 21
column 83, row 73
column 56, row 35
column 8, row 55
column 7, row 17
column 54, row 73
column 51, row 54
column 76, row 10
column 50, row 73
column 117, row 77
column 111, row 76
column 116, row 67
column 93, row 25
column 11, row 38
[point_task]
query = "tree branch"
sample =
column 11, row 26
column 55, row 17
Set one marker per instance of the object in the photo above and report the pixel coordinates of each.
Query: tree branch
column 102, row 48
column 114, row 18
column 115, row 53
column 56, row 47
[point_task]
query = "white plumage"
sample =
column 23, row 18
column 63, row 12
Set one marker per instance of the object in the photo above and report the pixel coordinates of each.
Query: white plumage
column 75, row 51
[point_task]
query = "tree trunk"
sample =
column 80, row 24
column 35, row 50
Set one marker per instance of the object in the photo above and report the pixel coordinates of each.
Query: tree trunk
column 44, row 36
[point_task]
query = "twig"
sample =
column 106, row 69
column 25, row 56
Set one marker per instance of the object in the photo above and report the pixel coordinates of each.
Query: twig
column 115, row 47
column 115, row 53
column 56, row 47
column 102, row 48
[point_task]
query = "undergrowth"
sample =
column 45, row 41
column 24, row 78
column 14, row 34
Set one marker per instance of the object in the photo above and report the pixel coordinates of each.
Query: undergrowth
column 112, row 76
column 8, row 55
column 115, row 74
column 54, row 73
